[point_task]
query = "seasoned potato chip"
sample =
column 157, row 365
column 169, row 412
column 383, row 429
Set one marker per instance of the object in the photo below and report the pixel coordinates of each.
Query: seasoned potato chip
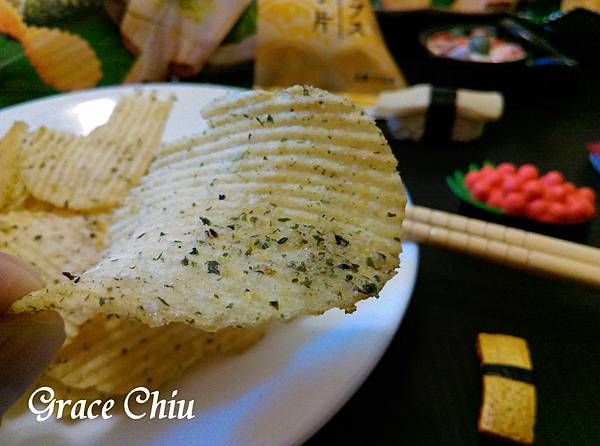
column 289, row 204
column 53, row 243
column 114, row 355
column 12, row 190
column 95, row 172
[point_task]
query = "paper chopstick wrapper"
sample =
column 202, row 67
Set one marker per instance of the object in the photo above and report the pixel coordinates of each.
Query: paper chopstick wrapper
column 425, row 112
column 332, row 44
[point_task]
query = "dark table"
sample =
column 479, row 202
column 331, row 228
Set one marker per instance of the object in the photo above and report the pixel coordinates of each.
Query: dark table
column 427, row 388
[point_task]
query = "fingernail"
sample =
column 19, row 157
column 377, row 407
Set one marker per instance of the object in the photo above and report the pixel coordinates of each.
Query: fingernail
column 28, row 342
column 17, row 279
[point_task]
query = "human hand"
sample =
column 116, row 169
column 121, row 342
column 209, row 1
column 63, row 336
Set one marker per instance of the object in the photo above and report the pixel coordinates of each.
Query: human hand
column 28, row 342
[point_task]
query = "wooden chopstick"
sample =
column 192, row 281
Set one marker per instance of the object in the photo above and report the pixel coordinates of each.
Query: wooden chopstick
column 509, row 246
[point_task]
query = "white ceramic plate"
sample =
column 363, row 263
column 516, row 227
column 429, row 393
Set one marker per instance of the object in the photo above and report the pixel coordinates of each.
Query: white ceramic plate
column 279, row 392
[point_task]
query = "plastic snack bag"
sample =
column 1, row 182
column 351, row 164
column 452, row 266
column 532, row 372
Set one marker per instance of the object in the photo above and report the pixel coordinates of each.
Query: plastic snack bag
column 331, row 44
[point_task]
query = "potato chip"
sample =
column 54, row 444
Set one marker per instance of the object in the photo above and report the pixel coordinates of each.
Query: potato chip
column 54, row 244
column 114, row 355
column 95, row 172
column 291, row 205
column 11, row 22
column 63, row 60
column 12, row 190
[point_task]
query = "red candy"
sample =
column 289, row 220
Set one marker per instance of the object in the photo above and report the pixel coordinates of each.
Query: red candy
column 552, row 178
column 471, row 178
column 514, row 203
column 506, row 168
column 481, row 190
column 523, row 192
column 588, row 193
column 528, row 172
column 512, row 183
column 536, row 208
column 533, row 189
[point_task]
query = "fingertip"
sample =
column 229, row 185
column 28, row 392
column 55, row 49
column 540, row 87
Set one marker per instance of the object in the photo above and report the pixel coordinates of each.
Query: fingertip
column 17, row 279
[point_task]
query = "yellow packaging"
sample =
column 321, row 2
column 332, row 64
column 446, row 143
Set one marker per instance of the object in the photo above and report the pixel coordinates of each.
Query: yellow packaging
column 332, row 44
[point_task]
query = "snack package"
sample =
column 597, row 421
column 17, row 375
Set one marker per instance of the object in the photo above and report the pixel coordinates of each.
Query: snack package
column 334, row 45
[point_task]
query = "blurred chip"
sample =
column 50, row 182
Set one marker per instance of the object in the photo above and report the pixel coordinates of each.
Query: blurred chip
column 289, row 204
column 53, row 243
column 12, row 190
column 114, row 355
column 11, row 22
column 56, row 245
column 63, row 60
column 95, row 172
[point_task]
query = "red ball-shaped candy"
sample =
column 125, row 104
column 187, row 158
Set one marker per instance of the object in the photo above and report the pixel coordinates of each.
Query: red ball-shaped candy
column 533, row 189
column 471, row 178
column 528, row 172
column 569, row 188
column 512, row 184
column 486, row 170
column 588, row 193
column 536, row 208
column 481, row 190
column 552, row 178
column 558, row 211
column 496, row 198
column 495, row 178
column 506, row 169
column 514, row 203
column 556, row 193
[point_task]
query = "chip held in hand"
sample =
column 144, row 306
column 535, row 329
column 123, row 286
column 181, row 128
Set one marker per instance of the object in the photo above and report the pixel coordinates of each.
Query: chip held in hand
column 311, row 220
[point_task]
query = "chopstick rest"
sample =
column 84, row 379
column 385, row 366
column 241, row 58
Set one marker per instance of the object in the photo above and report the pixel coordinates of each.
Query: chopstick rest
column 508, row 407
column 427, row 112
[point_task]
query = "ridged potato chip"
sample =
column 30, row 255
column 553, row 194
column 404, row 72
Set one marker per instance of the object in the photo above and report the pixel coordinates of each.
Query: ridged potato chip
column 63, row 60
column 12, row 189
column 289, row 204
column 113, row 355
column 11, row 22
column 55, row 244
column 95, row 172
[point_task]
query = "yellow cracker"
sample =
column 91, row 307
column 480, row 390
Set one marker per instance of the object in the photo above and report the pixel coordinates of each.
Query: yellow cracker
column 273, row 214
column 503, row 350
column 508, row 409
column 12, row 189
column 95, row 172
column 114, row 355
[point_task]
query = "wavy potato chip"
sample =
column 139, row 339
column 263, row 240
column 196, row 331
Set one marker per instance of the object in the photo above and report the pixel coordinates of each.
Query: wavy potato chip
column 11, row 22
column 12, row 189
column 95, row 172
column 54, row 244
column 63, row 60
column 114, row 355
column 289, row 204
